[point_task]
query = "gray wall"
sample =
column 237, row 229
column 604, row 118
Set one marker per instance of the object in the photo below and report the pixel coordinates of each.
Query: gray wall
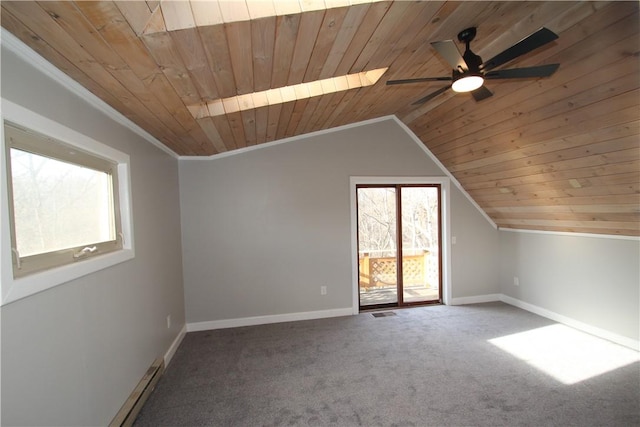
column 72, row 354
column 263, row 230
column 589, row 279
column 474, row 257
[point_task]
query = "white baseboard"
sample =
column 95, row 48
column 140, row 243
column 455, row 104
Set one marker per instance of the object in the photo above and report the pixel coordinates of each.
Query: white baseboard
column 291, row 317
column 262, row 320
column 475, row 299
column 576, row 324
column 174, row 345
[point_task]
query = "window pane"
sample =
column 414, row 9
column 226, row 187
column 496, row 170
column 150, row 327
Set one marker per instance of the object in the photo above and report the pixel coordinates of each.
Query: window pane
column 377, row 246
column 58, row 205
column 420, row 243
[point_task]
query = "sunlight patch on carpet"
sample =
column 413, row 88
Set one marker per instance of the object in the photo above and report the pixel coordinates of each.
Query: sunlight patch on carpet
column 568, row 355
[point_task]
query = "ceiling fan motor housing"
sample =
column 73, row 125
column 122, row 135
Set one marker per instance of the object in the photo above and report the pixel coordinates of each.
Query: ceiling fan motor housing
column 473, row 61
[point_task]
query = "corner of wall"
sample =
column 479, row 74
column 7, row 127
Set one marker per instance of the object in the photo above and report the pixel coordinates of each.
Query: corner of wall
column 174, row 345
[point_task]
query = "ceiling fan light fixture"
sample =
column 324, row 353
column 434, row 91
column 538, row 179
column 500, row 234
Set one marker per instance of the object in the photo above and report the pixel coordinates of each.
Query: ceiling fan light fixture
column 467, row 83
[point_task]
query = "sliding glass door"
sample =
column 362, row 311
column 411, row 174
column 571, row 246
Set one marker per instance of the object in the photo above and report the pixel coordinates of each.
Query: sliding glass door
column 377, row 245
column 399, row 233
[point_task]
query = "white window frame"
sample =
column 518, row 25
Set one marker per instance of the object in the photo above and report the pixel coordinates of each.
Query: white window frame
column 13, row 289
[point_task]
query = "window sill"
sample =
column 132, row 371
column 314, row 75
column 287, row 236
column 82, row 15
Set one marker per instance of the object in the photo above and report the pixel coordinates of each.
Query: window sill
column 38, row 282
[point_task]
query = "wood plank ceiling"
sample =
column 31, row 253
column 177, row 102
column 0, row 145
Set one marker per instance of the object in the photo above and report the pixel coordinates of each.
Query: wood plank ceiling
column 558, row 154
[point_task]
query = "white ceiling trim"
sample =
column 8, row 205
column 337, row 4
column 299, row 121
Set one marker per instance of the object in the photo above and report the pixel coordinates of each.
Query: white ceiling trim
column 286, row 140
column 571, row 234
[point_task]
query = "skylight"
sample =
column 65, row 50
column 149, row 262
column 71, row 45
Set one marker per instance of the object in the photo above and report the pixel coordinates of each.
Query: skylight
column 179, row 15
column 286, row 94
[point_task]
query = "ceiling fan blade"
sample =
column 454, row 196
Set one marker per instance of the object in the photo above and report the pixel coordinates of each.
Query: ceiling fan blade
column 448, row 50
column 418, row 80
column 481, row 93
column 431, row 95
column 526, row 45
column 518, row 73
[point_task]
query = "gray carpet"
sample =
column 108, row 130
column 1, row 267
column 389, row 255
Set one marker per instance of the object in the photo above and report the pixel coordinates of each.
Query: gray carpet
column 427, row 366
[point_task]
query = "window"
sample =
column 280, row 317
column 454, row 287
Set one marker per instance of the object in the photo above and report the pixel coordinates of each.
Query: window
column 63, row 202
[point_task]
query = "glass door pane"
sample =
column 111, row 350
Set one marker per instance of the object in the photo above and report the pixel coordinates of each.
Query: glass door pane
column 377, row 246
column 420, row 244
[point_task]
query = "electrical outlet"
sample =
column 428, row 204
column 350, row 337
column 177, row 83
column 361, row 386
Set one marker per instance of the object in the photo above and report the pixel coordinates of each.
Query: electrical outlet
column 516, row 281
column 323, row 290
column 454, row 240
column 169, row 321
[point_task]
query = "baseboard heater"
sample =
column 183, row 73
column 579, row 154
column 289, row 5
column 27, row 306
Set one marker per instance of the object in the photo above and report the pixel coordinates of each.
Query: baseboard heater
column 127, row 414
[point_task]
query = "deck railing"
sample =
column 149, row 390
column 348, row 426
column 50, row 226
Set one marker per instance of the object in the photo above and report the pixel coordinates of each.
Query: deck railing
column 379, row 272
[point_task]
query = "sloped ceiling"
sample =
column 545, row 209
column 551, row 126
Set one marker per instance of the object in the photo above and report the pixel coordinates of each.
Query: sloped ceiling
column 558, row 154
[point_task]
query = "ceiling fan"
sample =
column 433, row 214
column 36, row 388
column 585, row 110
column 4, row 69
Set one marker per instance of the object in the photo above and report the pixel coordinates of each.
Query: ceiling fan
column 469, row 72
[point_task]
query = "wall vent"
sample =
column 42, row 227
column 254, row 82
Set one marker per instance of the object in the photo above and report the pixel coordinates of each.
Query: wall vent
column 127, row 414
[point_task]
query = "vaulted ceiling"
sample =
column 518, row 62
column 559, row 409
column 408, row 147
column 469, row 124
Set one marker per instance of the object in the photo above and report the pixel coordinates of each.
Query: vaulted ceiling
column 559, row 153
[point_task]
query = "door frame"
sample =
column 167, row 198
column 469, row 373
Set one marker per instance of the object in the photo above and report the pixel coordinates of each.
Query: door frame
column 444, row 183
